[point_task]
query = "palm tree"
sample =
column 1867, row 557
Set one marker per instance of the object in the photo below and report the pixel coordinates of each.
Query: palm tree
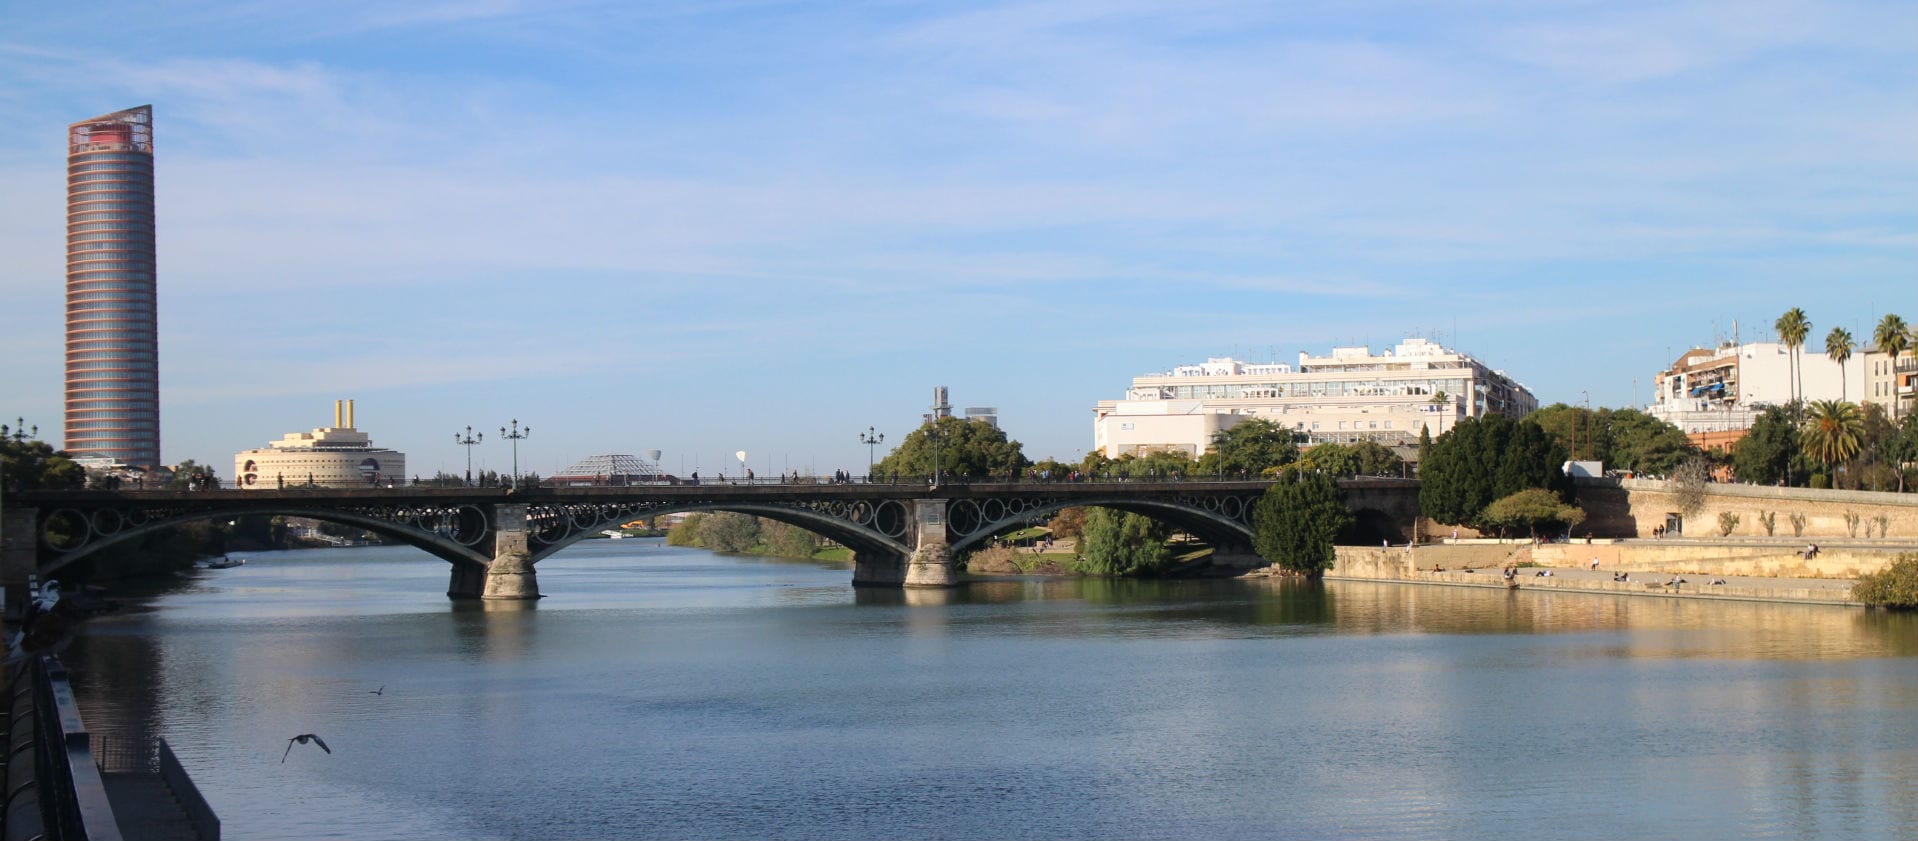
column 1892, row 338
column 1792, row 328
column 1833, row 432
column 1838, row 347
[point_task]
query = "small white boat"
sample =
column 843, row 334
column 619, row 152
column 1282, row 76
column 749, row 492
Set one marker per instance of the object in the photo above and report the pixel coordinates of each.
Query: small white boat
column 225, row 563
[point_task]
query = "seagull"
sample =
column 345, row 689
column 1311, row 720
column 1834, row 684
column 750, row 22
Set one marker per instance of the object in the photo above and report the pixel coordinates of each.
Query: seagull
column 303, row 738
column 379, row 691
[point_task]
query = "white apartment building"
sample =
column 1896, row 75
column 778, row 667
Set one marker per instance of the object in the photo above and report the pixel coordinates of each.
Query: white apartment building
column 1727, row 388
column 1889, row 381
column 1350, row 395
column 338, row 456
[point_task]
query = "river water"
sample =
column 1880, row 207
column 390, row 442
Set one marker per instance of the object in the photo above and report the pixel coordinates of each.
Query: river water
column 664, row 692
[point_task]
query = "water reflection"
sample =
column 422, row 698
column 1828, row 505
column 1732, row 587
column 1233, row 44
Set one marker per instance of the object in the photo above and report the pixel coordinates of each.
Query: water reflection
column 673, row 693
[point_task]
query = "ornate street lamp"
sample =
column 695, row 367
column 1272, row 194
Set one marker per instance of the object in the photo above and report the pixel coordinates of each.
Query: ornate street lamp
column 468, row 441
column 516, row 436
column 19, row 433
column 872, row 438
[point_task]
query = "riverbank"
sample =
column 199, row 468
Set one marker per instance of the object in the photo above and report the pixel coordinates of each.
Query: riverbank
column 1689, row 573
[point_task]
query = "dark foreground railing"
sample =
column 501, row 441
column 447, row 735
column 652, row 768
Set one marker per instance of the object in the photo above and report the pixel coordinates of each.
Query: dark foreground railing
column 118, row 756
column 53, row 786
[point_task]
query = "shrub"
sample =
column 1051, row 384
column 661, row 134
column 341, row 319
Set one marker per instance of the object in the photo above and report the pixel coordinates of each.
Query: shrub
column 1798, row 524
column 1895, row 586
column 1727, row 523
column 1768, row 519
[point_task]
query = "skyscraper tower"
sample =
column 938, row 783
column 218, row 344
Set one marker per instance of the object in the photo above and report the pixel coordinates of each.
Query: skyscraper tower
column 113, row 349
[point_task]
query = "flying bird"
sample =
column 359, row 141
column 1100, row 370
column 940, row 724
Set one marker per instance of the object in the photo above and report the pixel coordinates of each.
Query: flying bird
column 303, row 738
column 379, row 691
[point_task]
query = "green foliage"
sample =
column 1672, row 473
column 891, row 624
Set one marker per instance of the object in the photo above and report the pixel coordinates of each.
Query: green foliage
column 1251, row 447
column 1120, row 543
column 1068, row 524
column 1482, row 460
column 966, row 450
column 1296, row 523
column 1894, row 586
column 1050, row 469
column 1365, row 458
column 32, row 465
column 787, row 541
column 1892, row 336
column 726, row 531
column 1727, row 523
column 1768, row 451
column 1624, row 439
column 1154, row 465
column 1833, row 432
column 686, row 531
column 1531, row 509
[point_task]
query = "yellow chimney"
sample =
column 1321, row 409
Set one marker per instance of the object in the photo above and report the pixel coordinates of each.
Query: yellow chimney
column 349, row 415
column 336, row 414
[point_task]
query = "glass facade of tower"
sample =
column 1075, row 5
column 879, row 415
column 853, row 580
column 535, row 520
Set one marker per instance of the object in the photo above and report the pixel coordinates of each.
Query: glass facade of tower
column 113, row 359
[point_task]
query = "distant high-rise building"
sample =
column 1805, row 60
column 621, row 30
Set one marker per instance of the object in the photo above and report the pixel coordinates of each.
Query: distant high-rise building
column 113, row 349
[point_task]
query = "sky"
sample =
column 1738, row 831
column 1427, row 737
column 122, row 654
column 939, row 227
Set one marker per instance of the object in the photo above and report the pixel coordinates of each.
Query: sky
column 703, row 228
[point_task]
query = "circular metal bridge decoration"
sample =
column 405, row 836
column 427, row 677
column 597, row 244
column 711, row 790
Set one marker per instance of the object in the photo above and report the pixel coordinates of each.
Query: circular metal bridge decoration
column 560, row 524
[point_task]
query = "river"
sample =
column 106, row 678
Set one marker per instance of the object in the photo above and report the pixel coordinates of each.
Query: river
column 663, row 692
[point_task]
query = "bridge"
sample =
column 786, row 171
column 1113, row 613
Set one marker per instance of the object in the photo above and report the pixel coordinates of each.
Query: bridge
column 901, row 535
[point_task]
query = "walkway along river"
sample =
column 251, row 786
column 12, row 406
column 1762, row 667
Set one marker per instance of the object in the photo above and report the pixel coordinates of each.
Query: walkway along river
column 671, row 693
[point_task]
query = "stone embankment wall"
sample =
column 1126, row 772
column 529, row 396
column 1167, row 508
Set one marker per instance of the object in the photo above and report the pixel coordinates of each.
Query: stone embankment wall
column 1479, row 568
column 1634, row 507
column 1772, row 559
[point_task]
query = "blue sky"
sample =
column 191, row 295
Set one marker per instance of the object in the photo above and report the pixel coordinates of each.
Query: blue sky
column 707, row 227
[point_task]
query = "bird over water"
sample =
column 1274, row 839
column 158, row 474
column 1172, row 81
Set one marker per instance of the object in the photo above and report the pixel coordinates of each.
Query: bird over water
column 302, row 739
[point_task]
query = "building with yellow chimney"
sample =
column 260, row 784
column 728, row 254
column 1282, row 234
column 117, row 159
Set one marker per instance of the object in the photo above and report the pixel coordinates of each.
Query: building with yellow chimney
column 338, row 456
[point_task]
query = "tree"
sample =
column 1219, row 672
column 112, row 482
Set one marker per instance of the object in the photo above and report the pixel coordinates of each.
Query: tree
column 1838, row 347
column 1483, row 459
column 1296, row 523
column 1792, row 328
column 1068, row 524
column 787, row 541
column 1832, row 432
column 1689, row 483
column 1892, row 338
column 965, row 449
column 1530, row 509
column 1765, row 454
column 686, row 531
column 727, row 531
column 1644, row 444
column 27, row 464
column 192, row 474
column 1122, row 543
column 1901, row 450
column 1365, row 458
column 1250, row 447
column 1160, row 464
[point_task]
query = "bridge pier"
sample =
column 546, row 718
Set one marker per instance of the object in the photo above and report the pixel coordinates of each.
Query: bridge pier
column 931, row 564
column 467, row 582
column 873, row 568
column 511, row 575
